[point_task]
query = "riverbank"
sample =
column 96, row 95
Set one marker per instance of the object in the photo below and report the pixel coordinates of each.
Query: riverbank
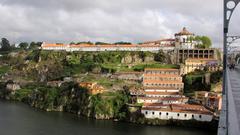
column 106, row 106
column 18, row 118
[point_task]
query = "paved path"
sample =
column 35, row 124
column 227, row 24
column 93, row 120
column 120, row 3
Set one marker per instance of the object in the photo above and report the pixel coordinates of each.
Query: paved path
column 234, row 101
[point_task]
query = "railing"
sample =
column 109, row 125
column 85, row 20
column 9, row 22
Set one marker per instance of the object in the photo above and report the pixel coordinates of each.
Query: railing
column 228, row 122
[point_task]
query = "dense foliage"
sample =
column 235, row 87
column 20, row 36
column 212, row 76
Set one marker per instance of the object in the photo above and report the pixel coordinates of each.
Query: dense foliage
column 205, row 41
column 72, row 98
column 195, row 81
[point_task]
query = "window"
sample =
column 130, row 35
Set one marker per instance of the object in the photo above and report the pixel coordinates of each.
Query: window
column 178, row 114
column 146, row 112
column 192, row 116
column 152, row 113
column 160, row 113
column 200, row 116
column 185, row 115
column 166, row 113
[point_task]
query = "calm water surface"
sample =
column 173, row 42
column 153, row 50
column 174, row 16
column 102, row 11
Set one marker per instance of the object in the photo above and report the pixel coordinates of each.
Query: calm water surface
column 20, row 119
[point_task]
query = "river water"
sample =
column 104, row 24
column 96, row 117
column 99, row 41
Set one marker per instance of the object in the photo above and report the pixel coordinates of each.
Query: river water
column 20, row 119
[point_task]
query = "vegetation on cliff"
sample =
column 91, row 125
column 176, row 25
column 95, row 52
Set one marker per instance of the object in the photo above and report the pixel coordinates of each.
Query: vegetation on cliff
column 196, row 81
column 39, row 65
column 72, row 98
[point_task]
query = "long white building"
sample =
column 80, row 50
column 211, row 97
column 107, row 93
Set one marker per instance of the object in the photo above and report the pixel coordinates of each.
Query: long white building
column 112, row 47
column 184, row 39
column 176, row 112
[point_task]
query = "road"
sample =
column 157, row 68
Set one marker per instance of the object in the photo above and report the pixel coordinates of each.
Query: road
column 234, row 100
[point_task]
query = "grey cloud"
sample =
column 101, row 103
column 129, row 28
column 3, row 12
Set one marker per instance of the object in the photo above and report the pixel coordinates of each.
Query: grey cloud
column 109, row 20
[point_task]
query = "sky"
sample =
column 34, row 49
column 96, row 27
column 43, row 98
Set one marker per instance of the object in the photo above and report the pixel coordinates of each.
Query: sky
column 111, row 20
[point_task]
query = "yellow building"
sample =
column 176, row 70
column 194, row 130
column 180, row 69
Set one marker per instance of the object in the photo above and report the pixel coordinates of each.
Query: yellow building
column 93, row 87
column 201, row 64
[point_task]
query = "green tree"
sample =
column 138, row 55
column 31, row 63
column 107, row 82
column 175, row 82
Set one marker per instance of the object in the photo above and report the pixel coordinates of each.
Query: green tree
column 72, row 43
column 35, row 45
column 160, row 56
column 101, row 43
column 123, row 43
column 5, row 45
column 84, row 42
column 23, row 45
column 205, row 41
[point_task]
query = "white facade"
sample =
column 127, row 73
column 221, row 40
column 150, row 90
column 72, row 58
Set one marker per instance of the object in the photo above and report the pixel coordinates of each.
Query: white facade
column 185, row 40
column 95, row 48
column 185, row 43
column 160, row 90
column 167, row 115
column 167, row 100
column 162, row 95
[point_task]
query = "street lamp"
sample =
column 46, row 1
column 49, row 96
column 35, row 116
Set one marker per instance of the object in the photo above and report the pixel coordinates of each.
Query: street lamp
column 229, row 7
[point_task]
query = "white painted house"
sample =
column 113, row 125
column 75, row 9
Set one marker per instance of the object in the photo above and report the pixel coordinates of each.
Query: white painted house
column 177, row 112
column 164, row 100
column 110, row 47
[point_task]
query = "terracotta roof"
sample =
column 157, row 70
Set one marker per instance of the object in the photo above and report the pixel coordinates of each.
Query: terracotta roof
column 164, row 98
column 161, row 93
column 162, row 75
column 190, row 108
column 163, row 82
column 103, row 46
column 155, row 104
column 129, row 73
column 161, row 69
column 182, row 108
column 160, row 88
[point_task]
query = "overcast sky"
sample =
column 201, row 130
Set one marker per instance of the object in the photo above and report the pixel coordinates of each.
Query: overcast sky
column 111, row 20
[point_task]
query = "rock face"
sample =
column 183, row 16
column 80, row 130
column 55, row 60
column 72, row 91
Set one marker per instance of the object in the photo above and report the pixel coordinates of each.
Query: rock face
column 136, row 59
column 126, row 60
column 12, row 87
column 149, row 59
column 79, row 101
column 96, row 70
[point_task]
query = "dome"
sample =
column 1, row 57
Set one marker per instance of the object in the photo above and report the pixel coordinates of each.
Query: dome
column 184, row 32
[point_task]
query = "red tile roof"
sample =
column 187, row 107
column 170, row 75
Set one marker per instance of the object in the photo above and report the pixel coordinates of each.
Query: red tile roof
column 181, row 108
column 161, row 69
column 161, row 93
column 164, row 98
column 160, row 88
column 162, row 82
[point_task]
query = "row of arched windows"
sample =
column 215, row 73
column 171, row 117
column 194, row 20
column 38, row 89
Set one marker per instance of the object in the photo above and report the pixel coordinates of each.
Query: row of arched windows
column 185, row 115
